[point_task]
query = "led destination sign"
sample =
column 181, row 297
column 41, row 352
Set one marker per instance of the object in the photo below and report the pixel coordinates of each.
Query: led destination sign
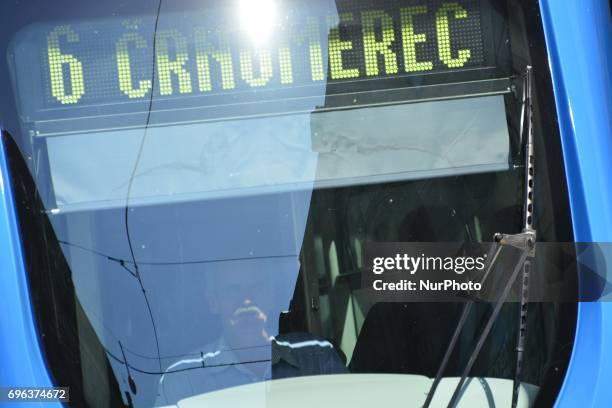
column 217, row 54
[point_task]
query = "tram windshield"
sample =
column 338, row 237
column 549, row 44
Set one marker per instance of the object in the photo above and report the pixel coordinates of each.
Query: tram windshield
column 199, row 180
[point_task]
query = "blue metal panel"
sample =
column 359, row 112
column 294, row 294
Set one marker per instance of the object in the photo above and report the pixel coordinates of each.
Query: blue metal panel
column 579, row 40
column 21, row 361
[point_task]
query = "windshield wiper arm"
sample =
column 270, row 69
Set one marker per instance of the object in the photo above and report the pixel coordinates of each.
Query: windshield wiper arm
column 529, row 245
column 462, row 320
column 528, row 230
column 525, row 242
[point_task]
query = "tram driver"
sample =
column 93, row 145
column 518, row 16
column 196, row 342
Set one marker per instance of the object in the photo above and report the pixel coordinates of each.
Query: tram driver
column 248, row 348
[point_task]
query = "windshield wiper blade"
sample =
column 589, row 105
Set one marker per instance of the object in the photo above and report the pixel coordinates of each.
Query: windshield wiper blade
column 525, row 242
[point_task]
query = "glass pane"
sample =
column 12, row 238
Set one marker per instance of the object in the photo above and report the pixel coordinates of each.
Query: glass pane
column 199, row 179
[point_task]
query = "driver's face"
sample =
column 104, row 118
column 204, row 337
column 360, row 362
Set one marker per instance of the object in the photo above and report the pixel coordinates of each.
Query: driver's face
column 244, row 299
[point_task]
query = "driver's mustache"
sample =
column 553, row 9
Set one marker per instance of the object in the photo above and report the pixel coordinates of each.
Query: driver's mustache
column 250, row 309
